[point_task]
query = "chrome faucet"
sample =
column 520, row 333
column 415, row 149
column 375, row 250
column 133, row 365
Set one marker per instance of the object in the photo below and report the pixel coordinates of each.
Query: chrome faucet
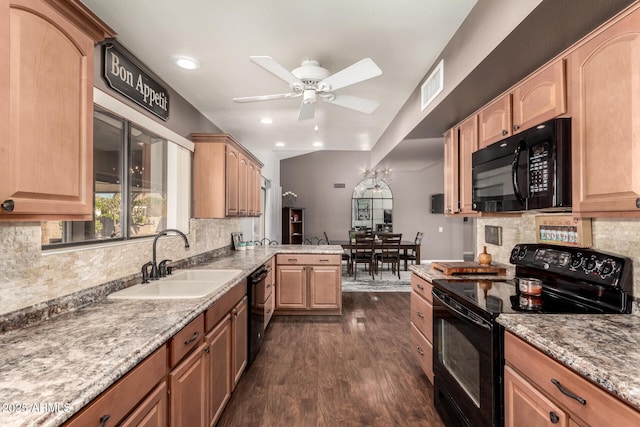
column 154, row 265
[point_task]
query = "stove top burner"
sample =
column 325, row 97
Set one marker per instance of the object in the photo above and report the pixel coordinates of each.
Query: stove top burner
column 549, row 279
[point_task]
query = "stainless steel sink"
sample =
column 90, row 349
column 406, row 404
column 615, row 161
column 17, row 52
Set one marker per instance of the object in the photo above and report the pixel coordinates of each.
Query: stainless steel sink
column 187, row 284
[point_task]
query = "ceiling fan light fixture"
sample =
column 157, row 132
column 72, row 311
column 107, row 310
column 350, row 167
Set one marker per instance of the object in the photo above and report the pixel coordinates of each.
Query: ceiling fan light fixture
column 309, row 96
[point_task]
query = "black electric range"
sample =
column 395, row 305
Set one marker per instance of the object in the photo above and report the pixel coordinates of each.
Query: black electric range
column 468, row 342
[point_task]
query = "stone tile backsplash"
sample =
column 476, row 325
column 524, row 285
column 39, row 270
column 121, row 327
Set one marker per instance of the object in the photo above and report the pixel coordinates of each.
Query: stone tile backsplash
column 620, row 236
column 30, row 276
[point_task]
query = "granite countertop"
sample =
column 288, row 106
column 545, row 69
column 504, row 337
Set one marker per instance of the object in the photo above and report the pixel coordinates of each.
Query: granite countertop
column 604, row 348
column 50, row 370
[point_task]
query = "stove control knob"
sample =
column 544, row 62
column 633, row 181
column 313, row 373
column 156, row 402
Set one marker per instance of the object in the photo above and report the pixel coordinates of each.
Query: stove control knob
column 606, row 268
column 576, row 261
column 514, row 252
column 589, row 265
column 522, row 252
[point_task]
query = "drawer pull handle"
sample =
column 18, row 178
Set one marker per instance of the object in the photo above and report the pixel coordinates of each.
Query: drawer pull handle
column 420, row 287
column 269, row 285
column 554, row 418
column 420, row 315
column 566, row 392
column 292, row 259
column 324, row 260
column 104, row 419
column 192, row 339
column 419, row 350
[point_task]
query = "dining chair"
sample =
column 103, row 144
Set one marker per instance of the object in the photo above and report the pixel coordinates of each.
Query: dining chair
column 346, row 256
column 411, row 256
column 362, row 253
column 389, row 252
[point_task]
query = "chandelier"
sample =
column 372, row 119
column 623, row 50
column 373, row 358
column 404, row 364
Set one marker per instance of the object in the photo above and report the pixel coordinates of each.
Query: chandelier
column 376, row 174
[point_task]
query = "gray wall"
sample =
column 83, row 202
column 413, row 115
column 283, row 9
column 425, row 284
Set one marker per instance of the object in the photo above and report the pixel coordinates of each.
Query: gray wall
column 312, row 176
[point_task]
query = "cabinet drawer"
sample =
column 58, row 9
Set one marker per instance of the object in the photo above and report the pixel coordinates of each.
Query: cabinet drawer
column 422, row 287
column 224, row 305
column 601, row 407
column 125, row 394
column 186, row 340
column 264, row 290
column 308, row 259
column 422, row 315
column 423, row 351
column 269, row 306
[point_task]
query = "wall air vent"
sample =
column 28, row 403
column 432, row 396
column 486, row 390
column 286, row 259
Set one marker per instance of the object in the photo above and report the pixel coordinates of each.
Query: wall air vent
column 433, row 85
column 339, row 185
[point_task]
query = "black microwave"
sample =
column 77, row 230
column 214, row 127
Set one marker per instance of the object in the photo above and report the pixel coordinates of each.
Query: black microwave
column 527, row 171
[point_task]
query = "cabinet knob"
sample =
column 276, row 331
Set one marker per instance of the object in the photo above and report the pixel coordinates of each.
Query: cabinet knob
column 504, row 132
column 8, row 205
column 104, row 419
column 516, row 127
column 554, row 418
column 637, row 203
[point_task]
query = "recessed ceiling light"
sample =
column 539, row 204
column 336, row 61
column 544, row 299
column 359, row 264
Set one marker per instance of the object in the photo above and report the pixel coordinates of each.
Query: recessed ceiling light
column 317, row 144
column 266, row 120
column 280, row 144
column 186, row 62
column 316, row 128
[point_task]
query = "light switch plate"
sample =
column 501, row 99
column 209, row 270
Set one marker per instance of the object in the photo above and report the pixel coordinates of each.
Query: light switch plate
column 493, row 234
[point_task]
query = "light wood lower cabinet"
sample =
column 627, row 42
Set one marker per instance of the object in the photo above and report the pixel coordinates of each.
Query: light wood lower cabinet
column 308, row 284
column 219, row 368
column 422, row 324
column 187, row 384
column 152, row 412
column 538, row 391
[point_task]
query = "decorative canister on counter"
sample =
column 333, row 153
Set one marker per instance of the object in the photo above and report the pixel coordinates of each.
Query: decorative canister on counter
column 484, row 258
column 248, row 245
column 242, row 246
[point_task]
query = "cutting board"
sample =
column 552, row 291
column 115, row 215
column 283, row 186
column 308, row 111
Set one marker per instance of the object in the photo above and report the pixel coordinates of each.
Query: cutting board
column 468, row 267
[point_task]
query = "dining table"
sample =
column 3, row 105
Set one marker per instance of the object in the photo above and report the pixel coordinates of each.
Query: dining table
column 405, row 246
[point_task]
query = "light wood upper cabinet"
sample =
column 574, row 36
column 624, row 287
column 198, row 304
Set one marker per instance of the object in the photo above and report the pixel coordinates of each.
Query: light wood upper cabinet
column 540, row 97
column 605, row 121
column 451, row 172
column 224, row 177
column 46, row 109
column 467, row 144
column 494, row 121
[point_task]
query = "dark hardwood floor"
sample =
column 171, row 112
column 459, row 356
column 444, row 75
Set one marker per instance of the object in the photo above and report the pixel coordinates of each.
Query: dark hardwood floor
column 351, row 370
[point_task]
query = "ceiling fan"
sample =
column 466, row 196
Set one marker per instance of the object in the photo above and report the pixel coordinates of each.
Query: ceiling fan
column 312, row 82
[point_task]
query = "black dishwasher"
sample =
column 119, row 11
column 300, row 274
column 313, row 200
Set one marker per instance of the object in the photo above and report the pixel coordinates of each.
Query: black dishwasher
column 255, row 288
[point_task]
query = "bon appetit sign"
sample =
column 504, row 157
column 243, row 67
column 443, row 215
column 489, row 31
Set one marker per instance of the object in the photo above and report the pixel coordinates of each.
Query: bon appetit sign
column 128, row 79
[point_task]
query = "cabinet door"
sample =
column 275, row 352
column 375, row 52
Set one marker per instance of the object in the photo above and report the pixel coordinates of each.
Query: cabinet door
column 240, row 349
column 233, row 190
column 46, row 123
column 251, row 189
column 451, row 172
column 324, row 287
column 540, row 97
column 291, row 288
column 606, row 141
column 467, row 144
column 187, row 383
column 152, row 412
column 219, row 369
column 243, row 170
column 494, row 121
column 525, row 406
column 258, row 185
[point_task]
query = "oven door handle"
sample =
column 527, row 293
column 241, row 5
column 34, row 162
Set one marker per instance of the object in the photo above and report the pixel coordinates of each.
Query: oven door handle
column 461, row 314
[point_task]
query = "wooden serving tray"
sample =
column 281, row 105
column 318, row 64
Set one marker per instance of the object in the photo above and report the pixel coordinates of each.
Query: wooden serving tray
column 468, row 267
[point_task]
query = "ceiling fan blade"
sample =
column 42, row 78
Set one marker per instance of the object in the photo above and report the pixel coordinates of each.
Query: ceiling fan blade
column 360, row 71
column 363, row 105
column 266, row 97
column 269, row 64
column 307, row 111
